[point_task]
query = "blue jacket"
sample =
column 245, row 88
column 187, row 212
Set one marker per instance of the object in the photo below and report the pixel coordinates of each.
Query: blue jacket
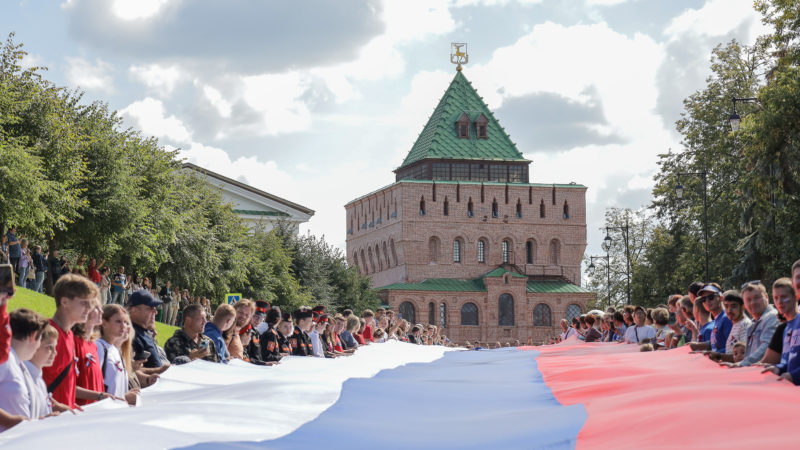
column 790, row 361
column 722, row 328
column 214, row 333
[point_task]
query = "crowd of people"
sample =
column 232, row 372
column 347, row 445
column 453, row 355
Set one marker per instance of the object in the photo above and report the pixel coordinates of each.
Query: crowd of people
column 91, row 351
column 735, row 328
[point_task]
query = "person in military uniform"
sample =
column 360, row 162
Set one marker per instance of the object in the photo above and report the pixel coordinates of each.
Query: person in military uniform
column 299, row 341
column 252, row 351
column 189, row 343
column 271, row 348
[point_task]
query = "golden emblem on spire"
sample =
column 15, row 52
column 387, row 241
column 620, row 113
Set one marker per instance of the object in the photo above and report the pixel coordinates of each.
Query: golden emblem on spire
column 458, row 54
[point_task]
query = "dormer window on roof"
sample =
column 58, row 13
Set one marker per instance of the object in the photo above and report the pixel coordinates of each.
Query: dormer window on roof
column 462, row 126
column 481, row 124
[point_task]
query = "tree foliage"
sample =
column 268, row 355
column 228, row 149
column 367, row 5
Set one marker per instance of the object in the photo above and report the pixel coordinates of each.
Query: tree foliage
column 72, row 175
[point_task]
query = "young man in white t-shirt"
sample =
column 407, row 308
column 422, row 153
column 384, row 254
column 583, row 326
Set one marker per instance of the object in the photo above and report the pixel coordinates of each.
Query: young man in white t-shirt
column 634, row 334
column 16, row 384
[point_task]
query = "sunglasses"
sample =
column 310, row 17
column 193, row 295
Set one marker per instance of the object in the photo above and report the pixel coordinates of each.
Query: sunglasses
column 751, row 283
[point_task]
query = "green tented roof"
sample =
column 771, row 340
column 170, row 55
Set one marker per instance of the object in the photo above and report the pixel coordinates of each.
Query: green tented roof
column 554, row 287
column 440, row 140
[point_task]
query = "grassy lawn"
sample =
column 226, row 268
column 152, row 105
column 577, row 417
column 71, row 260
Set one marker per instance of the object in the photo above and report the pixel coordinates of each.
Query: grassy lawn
column 46, row 306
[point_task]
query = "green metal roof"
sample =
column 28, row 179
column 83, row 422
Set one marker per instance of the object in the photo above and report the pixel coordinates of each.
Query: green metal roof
column 499, row 272
column 554, row 287
column 477, row 285
column 441, row 285
column 252, row 212
column 440, row 140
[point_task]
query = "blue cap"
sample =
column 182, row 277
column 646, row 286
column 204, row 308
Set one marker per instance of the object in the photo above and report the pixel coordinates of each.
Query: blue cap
column 711, row 289
column 143, row 297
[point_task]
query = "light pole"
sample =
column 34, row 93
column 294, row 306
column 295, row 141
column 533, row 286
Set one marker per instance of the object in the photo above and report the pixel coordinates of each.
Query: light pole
column 608, row 273
column 679, row 194
column 624, row 229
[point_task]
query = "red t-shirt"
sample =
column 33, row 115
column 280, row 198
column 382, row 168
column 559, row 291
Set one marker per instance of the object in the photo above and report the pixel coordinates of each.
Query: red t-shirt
column 90, row 373
column 359, row 338
column 5, row 333
column 94, row 275
column 65, row 348
column 337, row 347
column 368, row 333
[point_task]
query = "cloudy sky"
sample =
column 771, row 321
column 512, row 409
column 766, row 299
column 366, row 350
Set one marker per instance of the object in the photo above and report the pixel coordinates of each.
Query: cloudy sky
column 318, row 101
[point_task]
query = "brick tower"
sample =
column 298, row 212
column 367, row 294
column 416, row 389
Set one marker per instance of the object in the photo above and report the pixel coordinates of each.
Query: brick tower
column 463, row 240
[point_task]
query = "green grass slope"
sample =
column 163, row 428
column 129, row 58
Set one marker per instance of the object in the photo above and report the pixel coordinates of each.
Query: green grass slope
column 46, row 306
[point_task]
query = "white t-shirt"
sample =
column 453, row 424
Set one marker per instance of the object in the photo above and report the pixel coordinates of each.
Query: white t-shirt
column 634, row 334
column 738, row 334
column 568, row 334
column 16, row 385
column 316, row 344
column 115, row 376
column 40, row 398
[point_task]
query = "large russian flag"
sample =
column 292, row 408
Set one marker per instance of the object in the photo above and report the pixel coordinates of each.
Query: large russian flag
column 397, row 395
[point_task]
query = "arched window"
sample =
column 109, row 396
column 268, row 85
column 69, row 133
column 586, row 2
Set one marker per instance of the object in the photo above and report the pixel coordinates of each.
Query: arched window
column 386, row 255
column 519, row 209
column 469, row 314
column 541, row 316
column 506, row 251
column 433, row 249
column 406, row 311
column 446, row 209
column 495, row 212
column 394, row 252
column 555, row 252
column 457, row 251
column 422, row 211
column 364, row 263
column 530, row 195
column 433, row 193
column 470, row 211
column 378, row 257
column 554, row 194
column 481, row 251
column 530, row 252
column 355, row 262
column 442, row 315
column 371, row 261
column 541, row 209
column 506, row 311
column 431, row 313
column 573, row 311
column 566, row 210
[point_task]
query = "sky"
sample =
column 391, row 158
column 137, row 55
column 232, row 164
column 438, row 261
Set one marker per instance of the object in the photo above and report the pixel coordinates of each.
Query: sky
column 318, row 101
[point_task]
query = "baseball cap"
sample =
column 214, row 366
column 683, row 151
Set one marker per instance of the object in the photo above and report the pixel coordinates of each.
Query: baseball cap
column 709, row 289
column 143, row 297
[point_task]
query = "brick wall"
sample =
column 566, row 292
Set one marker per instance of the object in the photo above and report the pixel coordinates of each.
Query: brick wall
column 403, row 227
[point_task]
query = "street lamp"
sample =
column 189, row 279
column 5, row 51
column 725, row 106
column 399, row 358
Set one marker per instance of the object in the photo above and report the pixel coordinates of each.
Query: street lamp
column 624, row 229
column 679, row 194
column 608, row 272
column 735, row 119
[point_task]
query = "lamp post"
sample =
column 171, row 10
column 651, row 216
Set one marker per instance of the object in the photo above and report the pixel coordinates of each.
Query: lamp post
column 624, row 229
column 735, row 119
column 608, row 273
column 679, row 191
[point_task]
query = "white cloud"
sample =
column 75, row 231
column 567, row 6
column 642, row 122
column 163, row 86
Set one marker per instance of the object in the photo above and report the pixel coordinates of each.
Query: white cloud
column 158, row 78
column 136, row 9
column 279, row 100
column 606, row 2
column 149, row 116
column 717, row 18
column 81, row 73
column 30, row 60
column 216, row 99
